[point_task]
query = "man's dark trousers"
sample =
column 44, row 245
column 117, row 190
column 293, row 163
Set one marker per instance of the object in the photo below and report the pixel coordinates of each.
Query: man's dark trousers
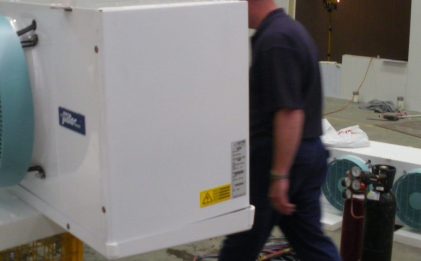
column 302, row 229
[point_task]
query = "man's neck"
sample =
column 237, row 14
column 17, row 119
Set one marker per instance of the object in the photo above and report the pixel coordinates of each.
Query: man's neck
column 261, row 10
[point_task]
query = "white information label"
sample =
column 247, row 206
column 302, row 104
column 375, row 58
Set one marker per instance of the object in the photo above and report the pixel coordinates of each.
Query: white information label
column 373, row 195
column 239, row 168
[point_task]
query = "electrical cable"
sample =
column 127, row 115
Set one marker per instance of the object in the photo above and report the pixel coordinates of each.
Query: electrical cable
column 274, row 248
column 275, row 254
column 358, row 90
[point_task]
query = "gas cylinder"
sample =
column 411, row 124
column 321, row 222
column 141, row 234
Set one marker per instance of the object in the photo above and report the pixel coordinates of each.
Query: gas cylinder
column 379, row 220
column 352, row 229
column 353, row 216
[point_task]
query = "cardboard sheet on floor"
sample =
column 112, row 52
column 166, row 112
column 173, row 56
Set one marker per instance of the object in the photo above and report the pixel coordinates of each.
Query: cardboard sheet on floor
column 409, row 127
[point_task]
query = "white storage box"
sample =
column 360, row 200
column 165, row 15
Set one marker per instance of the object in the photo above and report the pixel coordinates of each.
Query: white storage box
column 141, row 113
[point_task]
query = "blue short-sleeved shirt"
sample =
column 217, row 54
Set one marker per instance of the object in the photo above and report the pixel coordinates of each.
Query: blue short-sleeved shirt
column 284, row 74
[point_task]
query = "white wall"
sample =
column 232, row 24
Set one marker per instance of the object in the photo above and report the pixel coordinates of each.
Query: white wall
column 414, row 61
column 386, row 79
column 284, row 4
column 331, row 79
column 288, row 6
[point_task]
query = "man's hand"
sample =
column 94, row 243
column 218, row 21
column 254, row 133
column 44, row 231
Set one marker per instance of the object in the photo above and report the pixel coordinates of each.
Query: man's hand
column 279, row 196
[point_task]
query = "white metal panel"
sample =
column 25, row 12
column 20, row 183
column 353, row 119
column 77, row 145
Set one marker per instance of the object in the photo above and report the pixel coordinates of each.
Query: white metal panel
column 331, row 79
column 230, row 223
column 164, row 93
column 331, row 218
column 414, row 58
column 174, row 108
column 288, row 6
column 405, row 159
column 64, row 73
column 284, row 4
column 21, row 224
column 408, row 236
column 386, row 79
column 96, row 4
column 385, row 153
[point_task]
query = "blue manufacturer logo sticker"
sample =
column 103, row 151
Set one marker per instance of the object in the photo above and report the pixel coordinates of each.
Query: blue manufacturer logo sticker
column 72, row 120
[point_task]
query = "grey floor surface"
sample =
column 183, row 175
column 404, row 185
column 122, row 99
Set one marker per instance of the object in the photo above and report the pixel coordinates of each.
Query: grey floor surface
column 352, row 115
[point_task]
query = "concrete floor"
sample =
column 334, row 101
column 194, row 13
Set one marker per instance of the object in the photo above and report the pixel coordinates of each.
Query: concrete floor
column 350, row 116
column 180, row 253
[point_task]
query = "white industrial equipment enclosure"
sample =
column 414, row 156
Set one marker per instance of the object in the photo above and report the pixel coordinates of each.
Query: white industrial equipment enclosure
column 141, row 112
column 405, row 159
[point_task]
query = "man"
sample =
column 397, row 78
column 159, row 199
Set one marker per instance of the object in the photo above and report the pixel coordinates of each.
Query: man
column 288, row 160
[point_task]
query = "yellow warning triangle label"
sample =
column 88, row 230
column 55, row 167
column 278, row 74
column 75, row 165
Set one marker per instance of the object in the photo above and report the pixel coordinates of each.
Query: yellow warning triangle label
column 207, row 199
column 215, row 196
